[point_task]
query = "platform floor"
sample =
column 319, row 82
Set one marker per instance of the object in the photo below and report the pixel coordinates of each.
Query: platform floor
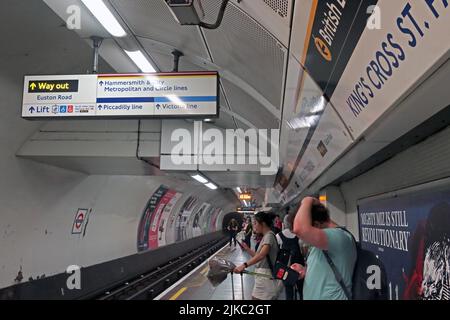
column 196, row 286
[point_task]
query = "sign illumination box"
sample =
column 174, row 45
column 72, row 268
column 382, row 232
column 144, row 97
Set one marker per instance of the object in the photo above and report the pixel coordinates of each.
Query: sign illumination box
column 245, row 196
column 152, row 95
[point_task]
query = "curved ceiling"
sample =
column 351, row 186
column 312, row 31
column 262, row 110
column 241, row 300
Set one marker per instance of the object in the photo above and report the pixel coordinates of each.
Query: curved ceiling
column 249, row 50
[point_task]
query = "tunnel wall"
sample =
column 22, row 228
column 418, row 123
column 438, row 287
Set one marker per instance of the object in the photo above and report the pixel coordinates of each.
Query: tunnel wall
column 38, row 202
column 38, row 227
column 97, row 279
column 425, row 162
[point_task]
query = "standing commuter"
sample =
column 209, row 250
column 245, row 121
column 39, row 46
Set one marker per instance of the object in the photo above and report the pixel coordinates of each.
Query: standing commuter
column 248, row 232
column 264, row 258
column 313, row 225
column 277, row 225
column 288, row 241
column 232, row 231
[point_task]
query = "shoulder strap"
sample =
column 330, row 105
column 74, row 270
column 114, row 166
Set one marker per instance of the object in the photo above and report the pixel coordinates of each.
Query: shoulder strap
column 269, row 261
column 351, row 234
column 283, row 237
column 336, row 272
column 337, row 275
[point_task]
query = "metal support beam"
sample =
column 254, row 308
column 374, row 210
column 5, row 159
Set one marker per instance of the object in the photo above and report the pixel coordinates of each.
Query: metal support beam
column 176, row 59
column 97, row 42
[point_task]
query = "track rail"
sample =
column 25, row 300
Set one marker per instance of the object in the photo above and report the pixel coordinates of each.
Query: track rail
column 149, row 285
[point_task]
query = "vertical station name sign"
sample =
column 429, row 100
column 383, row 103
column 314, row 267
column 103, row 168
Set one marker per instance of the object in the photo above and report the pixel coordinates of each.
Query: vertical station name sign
column 161, row 95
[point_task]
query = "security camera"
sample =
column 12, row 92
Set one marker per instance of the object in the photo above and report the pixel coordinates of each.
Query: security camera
column 190, row 12
column 186, row 12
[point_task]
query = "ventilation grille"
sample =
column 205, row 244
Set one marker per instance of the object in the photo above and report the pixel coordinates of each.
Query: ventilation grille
column 248, row 108
column 279, row 6
column 248, row 51
column 152, row 19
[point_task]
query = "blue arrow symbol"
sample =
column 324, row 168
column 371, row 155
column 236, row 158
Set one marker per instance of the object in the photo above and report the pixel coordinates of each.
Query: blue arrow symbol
column 99, row 107
column 101, row 83
column 32, row 109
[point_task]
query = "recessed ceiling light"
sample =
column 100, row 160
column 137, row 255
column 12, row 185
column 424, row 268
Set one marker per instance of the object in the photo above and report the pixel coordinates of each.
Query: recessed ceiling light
column 211, row 186
column 200, row 179
column 140, row 61
column 105, row 17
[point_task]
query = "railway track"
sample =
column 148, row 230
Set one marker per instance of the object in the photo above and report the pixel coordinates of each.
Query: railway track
column 148, row 286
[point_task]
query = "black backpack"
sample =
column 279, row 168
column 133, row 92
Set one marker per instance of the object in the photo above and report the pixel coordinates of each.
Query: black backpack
column 289, row 252
column 280, row 270
column 360, row 289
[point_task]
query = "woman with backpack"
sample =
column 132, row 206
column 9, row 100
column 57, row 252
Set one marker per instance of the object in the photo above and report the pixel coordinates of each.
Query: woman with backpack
column 293, row 246
column 263, row 259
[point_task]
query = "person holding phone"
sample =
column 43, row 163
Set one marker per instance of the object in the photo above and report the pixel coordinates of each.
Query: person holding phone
column 264, row 288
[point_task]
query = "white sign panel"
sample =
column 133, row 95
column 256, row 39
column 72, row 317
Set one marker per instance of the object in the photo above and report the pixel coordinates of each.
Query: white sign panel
column 389, row 61
column 161, row 95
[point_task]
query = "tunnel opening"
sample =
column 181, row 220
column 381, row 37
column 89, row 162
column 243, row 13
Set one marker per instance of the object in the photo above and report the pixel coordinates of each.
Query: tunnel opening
column 239, row 217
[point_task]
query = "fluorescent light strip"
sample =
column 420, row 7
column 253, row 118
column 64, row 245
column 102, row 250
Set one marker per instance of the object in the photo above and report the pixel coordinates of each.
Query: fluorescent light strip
column 105, row 17
column 140, row 61
column 211, row 185
column 239, row 189
column 200, row 179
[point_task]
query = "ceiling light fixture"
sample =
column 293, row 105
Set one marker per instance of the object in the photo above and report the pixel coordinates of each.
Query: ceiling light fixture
column 200, row 179
column 140, row 61
column 211, row 185
column 105, row 17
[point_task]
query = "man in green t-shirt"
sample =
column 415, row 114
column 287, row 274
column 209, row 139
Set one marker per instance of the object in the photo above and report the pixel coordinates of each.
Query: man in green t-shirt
column 313, row 225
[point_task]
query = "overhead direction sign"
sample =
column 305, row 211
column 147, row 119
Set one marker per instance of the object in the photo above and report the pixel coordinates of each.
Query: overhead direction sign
column 246, row 209
column 43, row 86
column 245, row 196
column 160, row 95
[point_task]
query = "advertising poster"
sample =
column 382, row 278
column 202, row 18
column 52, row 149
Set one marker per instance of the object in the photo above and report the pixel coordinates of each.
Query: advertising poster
column 216, row 213
column 182, row 218
column 363, row 67
column 144, row 224
column 195, row 229
column 164, row 220
column 204, row 222
column 410, row 233
column 173, row 222
column 337, row 28
column 156, row 218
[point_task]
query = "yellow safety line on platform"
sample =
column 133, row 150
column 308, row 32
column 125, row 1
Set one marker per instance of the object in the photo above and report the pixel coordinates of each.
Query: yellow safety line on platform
column 204, row 271
column 179, row 293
